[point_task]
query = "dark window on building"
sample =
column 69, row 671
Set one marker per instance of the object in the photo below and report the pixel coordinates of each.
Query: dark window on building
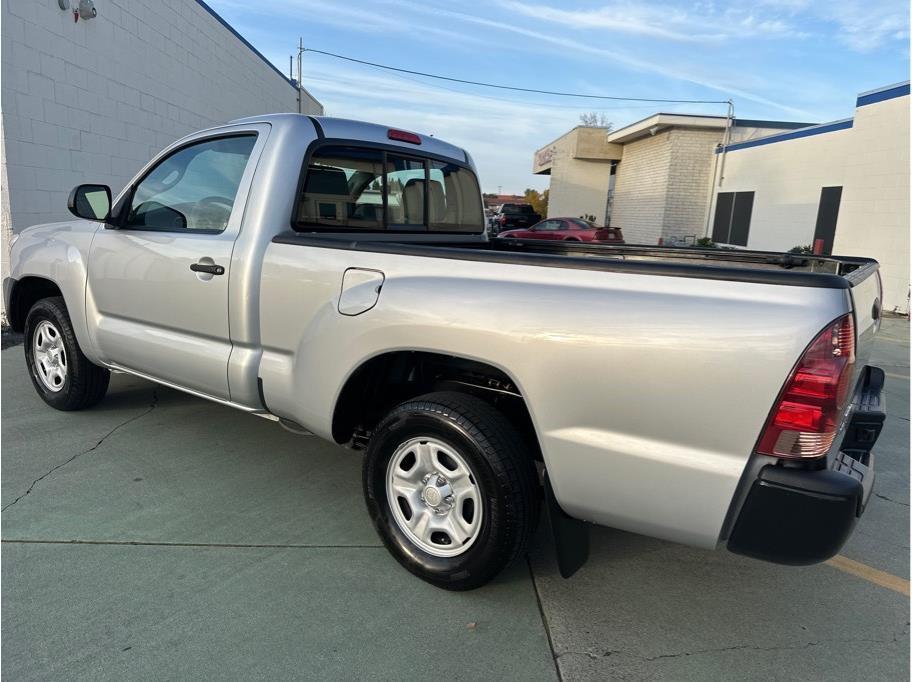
column 733, row 216
column 827, row 215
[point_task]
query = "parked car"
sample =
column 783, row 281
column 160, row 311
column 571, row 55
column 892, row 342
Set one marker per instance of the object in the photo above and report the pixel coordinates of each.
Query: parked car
column 696, row 395
column 491, row 220
column 568, row 229
column 515, row 215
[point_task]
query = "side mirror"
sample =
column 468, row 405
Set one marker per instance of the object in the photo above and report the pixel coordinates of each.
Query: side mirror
column 92, row 202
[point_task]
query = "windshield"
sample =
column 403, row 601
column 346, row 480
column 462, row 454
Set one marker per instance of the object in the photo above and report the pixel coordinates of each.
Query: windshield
column 372, row 189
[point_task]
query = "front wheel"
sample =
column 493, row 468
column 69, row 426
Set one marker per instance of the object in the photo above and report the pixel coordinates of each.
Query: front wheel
column 451, row 492
column 62, row 375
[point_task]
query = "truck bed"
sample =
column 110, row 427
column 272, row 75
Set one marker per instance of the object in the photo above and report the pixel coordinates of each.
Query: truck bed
column 764, row 267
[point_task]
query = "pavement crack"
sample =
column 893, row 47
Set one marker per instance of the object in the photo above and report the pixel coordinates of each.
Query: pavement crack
column 110, row 433
column 544, row 618
column 736, row 647
column 890, row 499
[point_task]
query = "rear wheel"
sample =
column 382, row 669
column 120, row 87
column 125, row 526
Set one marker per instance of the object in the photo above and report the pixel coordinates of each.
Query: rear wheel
column 451, row 492
column 62, row 375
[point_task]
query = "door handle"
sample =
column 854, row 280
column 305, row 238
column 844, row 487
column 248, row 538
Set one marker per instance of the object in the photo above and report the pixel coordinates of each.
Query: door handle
column 209, row 269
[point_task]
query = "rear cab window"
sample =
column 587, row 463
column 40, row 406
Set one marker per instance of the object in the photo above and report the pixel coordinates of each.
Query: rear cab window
column 350, row 188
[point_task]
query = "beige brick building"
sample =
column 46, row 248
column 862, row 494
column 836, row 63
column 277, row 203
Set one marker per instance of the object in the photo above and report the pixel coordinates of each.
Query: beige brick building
column 839, row 187
column 651, row 178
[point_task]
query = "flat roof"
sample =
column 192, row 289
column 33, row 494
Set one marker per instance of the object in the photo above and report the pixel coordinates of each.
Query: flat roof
column 667, row 120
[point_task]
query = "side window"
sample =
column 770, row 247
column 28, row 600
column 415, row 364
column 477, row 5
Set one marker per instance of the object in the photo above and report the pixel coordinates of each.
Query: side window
column 454, row 200
column 343, row 188
column 192, row 189
column 550, row 225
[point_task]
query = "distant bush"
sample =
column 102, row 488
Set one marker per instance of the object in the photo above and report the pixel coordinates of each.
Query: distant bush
column 705, row 242
column 801, row 249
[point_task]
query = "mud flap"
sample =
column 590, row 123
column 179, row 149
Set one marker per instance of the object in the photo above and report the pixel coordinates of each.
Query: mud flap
column 571, row 536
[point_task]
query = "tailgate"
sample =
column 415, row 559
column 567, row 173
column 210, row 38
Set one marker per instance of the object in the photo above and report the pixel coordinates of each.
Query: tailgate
column 867, row 306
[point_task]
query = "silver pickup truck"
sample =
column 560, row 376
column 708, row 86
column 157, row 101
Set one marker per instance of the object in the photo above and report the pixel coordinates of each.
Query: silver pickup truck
column 335, row 276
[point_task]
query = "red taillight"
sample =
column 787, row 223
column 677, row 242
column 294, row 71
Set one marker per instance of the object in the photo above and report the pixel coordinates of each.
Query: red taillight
column 403, row 136
column 503, row 220
column 805, row 419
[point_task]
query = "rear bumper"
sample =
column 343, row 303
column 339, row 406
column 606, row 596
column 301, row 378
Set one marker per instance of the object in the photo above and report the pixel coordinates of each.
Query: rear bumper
column 799, row 516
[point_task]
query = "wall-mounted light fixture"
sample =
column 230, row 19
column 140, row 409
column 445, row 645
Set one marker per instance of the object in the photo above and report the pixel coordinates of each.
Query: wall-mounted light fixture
column 85, row 10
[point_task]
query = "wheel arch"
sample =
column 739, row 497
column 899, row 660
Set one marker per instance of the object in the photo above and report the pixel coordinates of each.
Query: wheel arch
column 384, row 380
column 25, row 293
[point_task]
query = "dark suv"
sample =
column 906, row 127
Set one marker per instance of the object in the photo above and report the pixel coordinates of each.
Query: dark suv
column 513, row 216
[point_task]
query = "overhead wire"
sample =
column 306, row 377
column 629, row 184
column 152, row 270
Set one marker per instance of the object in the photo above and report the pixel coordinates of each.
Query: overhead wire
column 514, row 88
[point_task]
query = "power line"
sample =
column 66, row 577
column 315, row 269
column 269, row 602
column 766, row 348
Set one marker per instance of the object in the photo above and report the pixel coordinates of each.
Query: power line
column 549, row 105
column 515, row 88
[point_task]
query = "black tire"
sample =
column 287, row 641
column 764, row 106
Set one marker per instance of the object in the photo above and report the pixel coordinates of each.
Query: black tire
column 85, row 383
column 503, row 472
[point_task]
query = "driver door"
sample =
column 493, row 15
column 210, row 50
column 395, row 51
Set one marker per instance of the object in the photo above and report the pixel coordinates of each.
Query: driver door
column 158, row 281
column 543, row 230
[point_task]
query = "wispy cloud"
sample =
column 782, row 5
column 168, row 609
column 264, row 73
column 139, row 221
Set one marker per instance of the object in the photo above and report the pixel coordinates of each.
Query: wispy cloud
column 567, row 44
column 694, row 23
column 349, row 18
column 867, row 26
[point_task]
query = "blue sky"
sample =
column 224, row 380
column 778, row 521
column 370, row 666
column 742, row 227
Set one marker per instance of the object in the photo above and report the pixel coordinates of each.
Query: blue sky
column 789, row 60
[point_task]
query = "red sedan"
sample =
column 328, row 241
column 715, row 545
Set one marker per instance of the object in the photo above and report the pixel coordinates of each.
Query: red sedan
column 567, row 229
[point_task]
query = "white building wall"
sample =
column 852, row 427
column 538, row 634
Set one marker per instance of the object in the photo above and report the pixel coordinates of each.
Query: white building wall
column 874, row 212
column 93, row 100
column 786, row 178
column 869, row 160
column 579, row 187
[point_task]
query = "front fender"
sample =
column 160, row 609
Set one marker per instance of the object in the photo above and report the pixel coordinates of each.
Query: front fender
column 59, row 253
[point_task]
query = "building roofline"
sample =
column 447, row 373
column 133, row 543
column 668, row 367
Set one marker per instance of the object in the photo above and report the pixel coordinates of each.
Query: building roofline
column 874, row 96
column 818, row 129
column 246, row 42
column 882, row 94
column 744, row 122
column 750, row 122
column 883, row 88
column 669, row 120
column 563, row 135
column 763, row 123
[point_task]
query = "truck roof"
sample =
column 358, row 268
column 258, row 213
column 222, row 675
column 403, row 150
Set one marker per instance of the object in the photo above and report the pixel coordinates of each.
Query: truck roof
column 349, row 129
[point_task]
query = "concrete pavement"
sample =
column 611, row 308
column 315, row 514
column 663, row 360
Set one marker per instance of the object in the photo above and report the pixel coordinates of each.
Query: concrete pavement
column 161, row 536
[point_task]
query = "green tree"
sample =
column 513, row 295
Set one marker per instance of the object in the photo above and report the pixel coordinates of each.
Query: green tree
column 538, row 200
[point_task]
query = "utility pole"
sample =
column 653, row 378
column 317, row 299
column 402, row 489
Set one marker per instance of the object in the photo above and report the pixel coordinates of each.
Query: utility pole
column 300, row 54
column 726, row 140
column 719, row 166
